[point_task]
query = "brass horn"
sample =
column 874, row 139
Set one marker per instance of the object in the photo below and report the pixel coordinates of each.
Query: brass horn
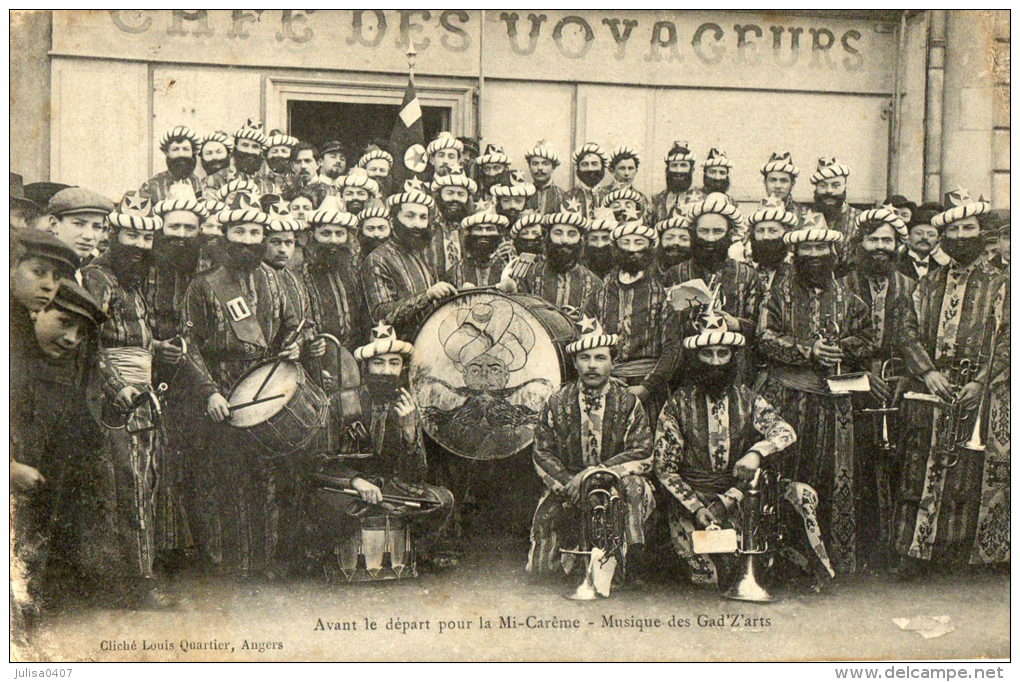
column 756, row 516
column 603, row 537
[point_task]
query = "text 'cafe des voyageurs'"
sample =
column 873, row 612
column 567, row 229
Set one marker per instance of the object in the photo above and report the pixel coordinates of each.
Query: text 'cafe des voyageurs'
column 750, row 83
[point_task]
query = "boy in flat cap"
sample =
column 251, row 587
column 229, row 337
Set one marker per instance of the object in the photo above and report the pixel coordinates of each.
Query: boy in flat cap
column 77, row 217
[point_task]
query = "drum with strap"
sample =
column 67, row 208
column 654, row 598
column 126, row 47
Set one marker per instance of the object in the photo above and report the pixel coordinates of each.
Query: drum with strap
column 483, row 367
column 277, row 408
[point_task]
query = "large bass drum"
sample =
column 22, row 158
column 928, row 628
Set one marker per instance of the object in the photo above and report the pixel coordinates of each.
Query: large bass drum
column 483, row 367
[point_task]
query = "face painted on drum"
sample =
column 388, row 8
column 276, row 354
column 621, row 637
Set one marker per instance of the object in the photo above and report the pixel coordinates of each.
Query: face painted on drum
column 388, row 364
column 593, row 366
column 486, row 373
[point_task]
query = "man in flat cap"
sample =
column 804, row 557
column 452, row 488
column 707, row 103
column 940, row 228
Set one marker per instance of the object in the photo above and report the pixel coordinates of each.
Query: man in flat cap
column 954, row 508
column 542, row 163
column 77, row 217
column 811, row 325
column 180, row 148
column 590, row 164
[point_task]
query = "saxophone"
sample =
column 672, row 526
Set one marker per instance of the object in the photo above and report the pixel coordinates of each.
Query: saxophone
column 603, row 535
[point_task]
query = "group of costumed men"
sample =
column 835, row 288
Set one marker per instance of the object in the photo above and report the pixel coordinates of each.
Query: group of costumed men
column 131, row 322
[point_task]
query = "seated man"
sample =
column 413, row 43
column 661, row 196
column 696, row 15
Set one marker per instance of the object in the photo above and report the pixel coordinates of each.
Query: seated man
column 382, row 453
column 699, row 438
column 588, row 425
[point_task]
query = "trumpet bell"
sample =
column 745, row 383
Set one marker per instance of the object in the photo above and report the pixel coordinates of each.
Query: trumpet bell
column 598, row 577
column 746, row 587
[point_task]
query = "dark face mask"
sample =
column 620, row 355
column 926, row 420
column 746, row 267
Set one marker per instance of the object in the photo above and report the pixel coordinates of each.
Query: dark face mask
column 129, row 263
column 243, row 257
column 278, row 164
column 715, row 379
column 563, row 257
column 528, row 245
column 673, row 254
column 709, row 255
column 878, row 262
column 815, row 271
column 246, row 163
column 453, row 211
column 679, row 182
column 963, row 250
column 591, row 178
column 481, row 247
column 599, row 259
column 215, row 165
column 355, row 206
column 715, row 185
column 768, row 253
column 369, row 244
column 412, row 239
column 633, row 262
column 180, row 167
column 177, row 253
column 830, row 205
column 383, row 388
column 331, row 257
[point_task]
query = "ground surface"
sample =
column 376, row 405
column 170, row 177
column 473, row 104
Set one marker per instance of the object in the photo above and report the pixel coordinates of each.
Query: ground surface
column 299, row 620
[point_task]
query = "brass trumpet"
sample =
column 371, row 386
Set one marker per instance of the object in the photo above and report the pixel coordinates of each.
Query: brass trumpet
column 890, row 373
column 951, row 433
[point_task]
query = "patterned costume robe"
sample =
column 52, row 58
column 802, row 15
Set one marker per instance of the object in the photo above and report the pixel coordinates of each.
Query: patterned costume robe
column 667, row 204
column 548, row 199
column 121, row 540
column 846, row 224
column 158, row 186
column 481, row 274
column 579, row 428
column 239, row 523
column 395, row 280
column 698, row 440
column 958, row 513
column 446, row 245
column 577, row 288
column 581, row 199
column 263, row 180
column 742, row 298
column 824, row 456
column 374, row 447
column 636, row 311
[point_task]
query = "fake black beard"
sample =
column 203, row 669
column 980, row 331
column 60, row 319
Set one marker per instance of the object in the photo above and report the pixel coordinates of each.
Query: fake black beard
column 768, row 253
column 563, row 257
column 715, row 379
column 243, row 257
column 129, row 263
column 672, row 255
column 599, row 259
column 875, row 263
column 709, row 255
column 177, row 253
column 180, row 167
column 369, row 244
column 830, row 205
column 716, row 185
column 963, row 250
column 355, row 206
column 278, row 164
column 510, row 214
column 633, row 262
column 679, row 182
column 410, row 238
column 383, row 388
column 486, row 182
column 246, row 163
column 815, row 271
column 528, row 245
column 214, row 165
column 480, row 248
column 591, row 178
column 453, row 211
column 331, row 257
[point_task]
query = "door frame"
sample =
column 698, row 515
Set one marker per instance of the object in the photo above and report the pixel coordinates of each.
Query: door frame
column 382, row 89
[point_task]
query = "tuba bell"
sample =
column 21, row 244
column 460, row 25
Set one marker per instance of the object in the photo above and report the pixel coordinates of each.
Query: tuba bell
column 759, row 532
column 603, row 535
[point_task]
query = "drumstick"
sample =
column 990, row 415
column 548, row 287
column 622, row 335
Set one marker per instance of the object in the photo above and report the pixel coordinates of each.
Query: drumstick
column 417, row 503
column 256, row 402
column 279, row 358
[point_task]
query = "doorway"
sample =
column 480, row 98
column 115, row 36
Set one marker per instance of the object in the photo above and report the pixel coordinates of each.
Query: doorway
column 356, row 125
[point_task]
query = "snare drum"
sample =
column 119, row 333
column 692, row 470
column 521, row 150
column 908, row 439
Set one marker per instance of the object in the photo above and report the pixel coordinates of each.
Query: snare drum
column 483, row 367
column 288, row 413
column 379, row 549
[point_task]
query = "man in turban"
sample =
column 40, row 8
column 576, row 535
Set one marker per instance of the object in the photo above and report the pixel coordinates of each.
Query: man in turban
column 561, row 279
column 624, row 163
column 542, row 163
column 830, row 182
column 590, row 164
column 680, row 161
column 180, row 148
column 454, row 193
column 247, row 162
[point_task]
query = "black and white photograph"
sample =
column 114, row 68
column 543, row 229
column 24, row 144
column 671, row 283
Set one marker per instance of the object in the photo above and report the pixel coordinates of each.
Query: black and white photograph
column 481, row 335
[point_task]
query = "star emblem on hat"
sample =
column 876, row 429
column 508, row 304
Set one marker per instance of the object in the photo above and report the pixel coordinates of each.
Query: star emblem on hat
column 772, row 202
column 516, row 178
column 814, row 220
column 382, row 331
column 414, row 185
column 959, row 196
column 281, row 207
column 572, row 206
column 136, row 204
column 253, row 124
column 415, row 158
column 589, row 325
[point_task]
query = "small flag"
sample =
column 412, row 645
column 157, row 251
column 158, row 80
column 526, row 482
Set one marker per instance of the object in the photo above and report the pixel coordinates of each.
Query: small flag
column 408, row 139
